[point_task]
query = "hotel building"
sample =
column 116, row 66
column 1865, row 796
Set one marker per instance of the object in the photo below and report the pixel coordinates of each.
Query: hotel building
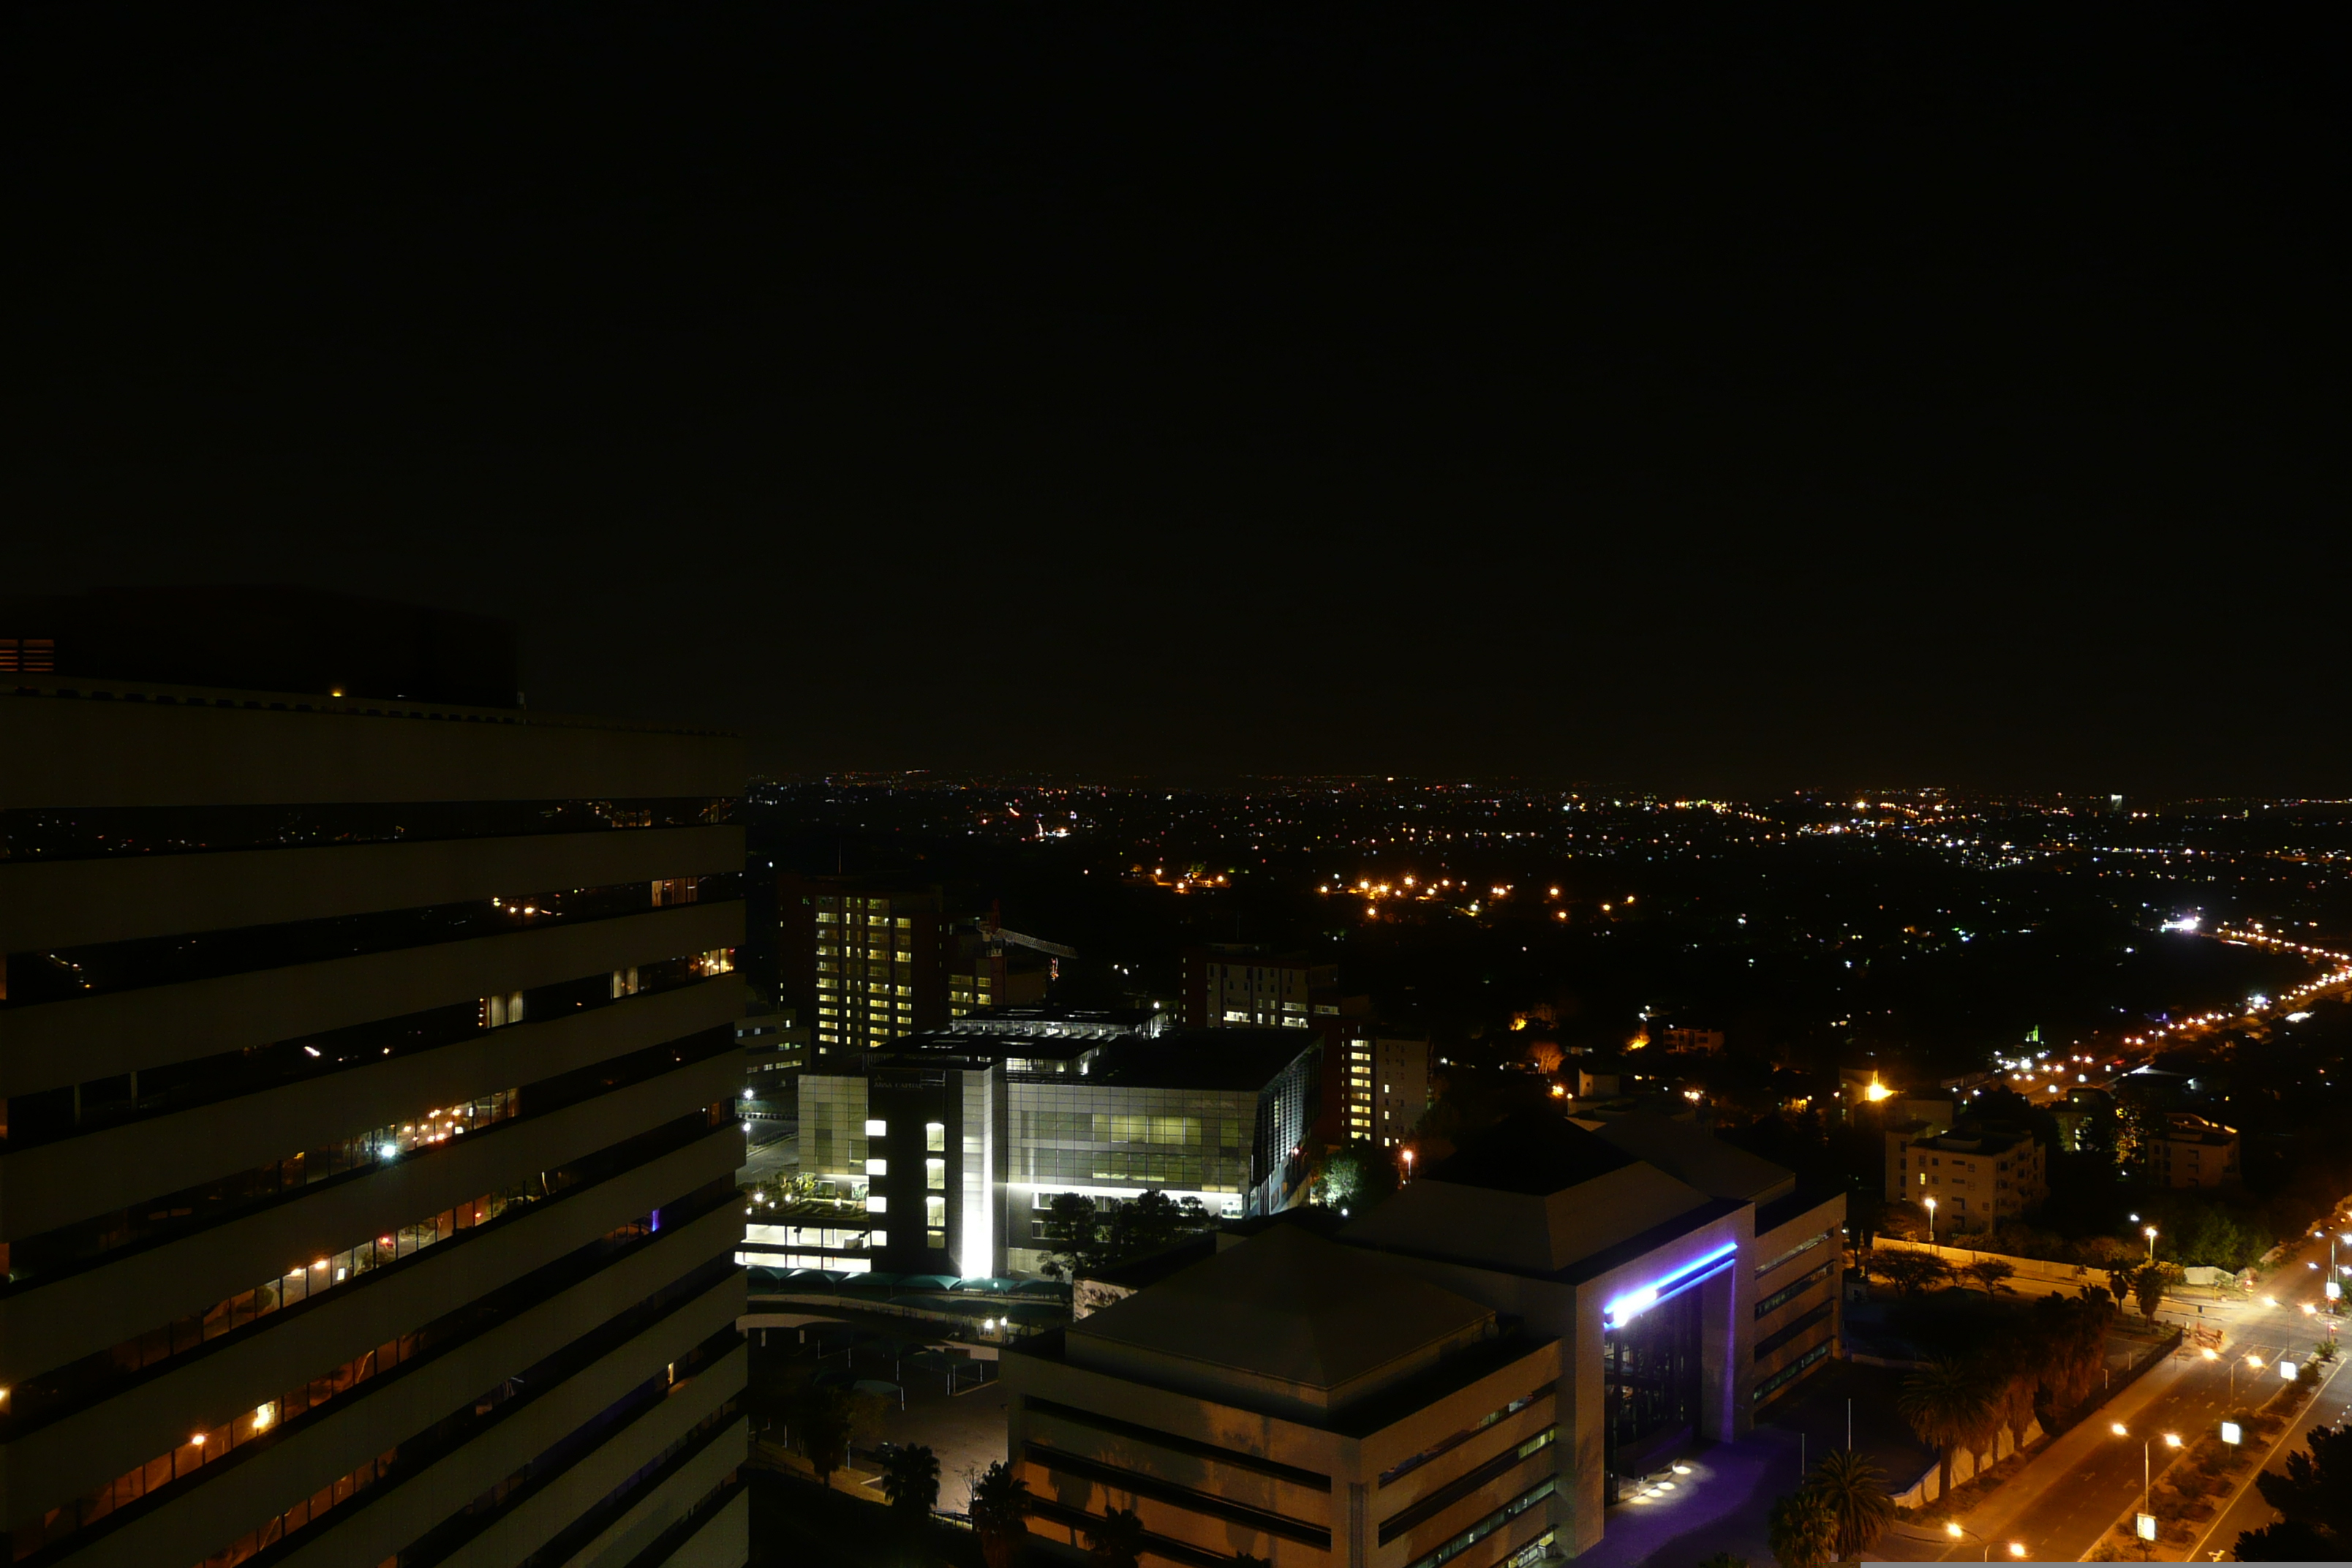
column 1468, row 1375
column 367, row 1163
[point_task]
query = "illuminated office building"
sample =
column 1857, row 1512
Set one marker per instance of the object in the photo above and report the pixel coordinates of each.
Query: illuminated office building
column 948, row 1146
column 367, row 1189
column 1468, row 1374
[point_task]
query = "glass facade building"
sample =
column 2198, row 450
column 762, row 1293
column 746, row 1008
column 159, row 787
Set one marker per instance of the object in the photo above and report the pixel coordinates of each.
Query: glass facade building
column 953, row 1142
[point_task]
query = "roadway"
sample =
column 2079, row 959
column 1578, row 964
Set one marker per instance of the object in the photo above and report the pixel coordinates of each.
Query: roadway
column 2067, row 1497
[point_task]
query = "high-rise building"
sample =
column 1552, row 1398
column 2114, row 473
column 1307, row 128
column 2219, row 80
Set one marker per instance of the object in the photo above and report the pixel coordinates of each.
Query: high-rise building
column 1243, row 985
column 367, row 1189
column 865, row 962
column 1384, row 1087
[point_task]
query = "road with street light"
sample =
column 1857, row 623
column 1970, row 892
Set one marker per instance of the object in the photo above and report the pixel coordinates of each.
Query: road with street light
column 2061, row 1506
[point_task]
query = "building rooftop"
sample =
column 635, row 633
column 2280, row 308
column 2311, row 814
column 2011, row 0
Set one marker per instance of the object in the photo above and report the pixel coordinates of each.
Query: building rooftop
column 1201, row 1058
column 1285, row 1315
column 1534, row 1195
column 1534, row 1153
column 1690, row 1153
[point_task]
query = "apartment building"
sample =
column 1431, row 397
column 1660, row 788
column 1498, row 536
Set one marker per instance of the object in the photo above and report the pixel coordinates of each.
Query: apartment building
column 1384, row 1082
column 864, row 961
column 1974, row 1174
column 367, row 1163
column 2194, row 1152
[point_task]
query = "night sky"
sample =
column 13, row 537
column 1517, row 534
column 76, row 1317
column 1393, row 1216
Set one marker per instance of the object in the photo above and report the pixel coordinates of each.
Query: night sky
column 1607, row 392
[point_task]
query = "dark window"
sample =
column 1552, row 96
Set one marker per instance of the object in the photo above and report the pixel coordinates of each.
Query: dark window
column 89, row 832
column 63, row 974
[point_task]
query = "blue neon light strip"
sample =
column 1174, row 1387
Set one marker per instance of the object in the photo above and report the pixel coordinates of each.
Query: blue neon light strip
column 1642, row 1298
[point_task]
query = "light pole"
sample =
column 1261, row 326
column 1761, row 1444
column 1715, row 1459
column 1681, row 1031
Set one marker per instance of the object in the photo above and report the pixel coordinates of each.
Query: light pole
column 2150, row 1234
column 2147, row 1468
column 2016, row 1548
column 1931, row 1221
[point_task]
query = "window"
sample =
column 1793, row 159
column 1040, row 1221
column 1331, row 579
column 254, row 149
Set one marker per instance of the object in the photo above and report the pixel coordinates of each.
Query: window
column 935, row 1211
column 877, row 1206
column 877, row 1167
column 935, row 1175
column 935, row 1137
column 875, row 1128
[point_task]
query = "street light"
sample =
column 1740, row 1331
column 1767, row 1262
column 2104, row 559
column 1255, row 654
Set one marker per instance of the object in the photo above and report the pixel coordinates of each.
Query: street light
column 1931, row 1221
column 2150, row 1234
column 2147, row 1470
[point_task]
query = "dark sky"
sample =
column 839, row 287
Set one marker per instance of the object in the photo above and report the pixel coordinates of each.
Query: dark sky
column 1899, row 395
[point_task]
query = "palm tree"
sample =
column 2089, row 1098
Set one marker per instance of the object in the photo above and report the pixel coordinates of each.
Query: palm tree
column 1945, row 1403
column 1855, row 1490
column 999, row 1508
column 1115, row 1541
column 1804, row 1531
column 910, row 1480
column 820, row 1427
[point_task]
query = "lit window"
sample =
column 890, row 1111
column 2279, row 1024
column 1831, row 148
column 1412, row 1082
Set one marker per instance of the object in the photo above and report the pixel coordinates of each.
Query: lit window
column 877, row 1205
column 876, row 1129
column 935, row 1136
column 935, row 1175
column 877, row 1167
column 935, row 1211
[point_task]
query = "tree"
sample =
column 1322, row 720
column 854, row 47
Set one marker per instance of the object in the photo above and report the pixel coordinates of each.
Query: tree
column 1989, row 1272
column 1358, row 1175
column 1071, row 1230
column 910, row 1480
column 1151, row 1222
column 1903, row 1219
column 1949, row 1406
column 820, row 1424
column 999, row 1508
column 1804, row 1529
column 2313, row 1500
column 2147, row 1289
column 1116, row 1540
column 1547, row 1056
column 1912, row 1272
column 1856, row 1491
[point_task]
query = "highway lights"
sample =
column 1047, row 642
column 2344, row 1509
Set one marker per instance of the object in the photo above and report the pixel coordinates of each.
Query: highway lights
column 2233, row 1434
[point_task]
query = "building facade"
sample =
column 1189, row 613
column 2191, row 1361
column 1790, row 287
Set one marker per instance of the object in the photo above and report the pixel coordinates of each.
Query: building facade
column 1972, row 1175
column 1384, row 1083
column 367, row 1183
column 1470, row 1373
column 940, row 1154
column 864, row 962
column 2194, row 1152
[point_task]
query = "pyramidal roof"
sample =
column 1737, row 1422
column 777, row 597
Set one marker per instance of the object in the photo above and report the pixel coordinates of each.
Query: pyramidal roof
column 1533, row 1193
column 1534, row 1153
column 1286, row 1308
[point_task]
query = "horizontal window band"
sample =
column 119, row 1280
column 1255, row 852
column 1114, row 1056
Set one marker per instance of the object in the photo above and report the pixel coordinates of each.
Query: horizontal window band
column 98, row 1514
column 62, row 974
column 104, row 1239
column 1793, row 1332
column 1791, row 1291
column 95, row 1105
column 1155, row 1545
column 1463, row 1485
column 56, row 1392
column 1312, row 1480
column 1190, row 1499
column 121, row 831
